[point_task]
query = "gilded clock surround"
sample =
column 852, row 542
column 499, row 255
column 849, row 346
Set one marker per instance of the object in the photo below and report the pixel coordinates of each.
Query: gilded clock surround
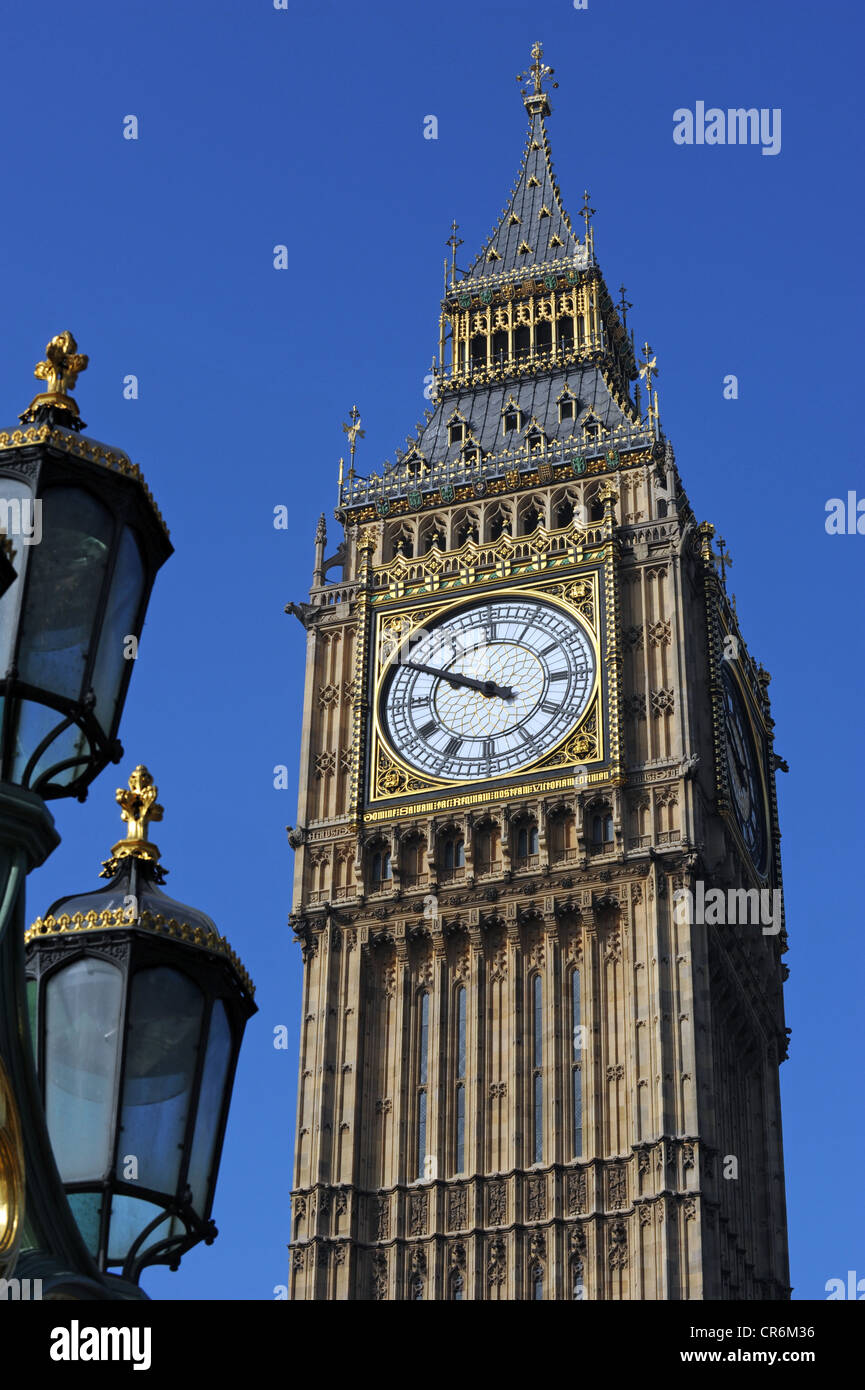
column 391, row 777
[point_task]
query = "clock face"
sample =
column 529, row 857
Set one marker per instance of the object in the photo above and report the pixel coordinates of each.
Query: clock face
column 489, row 689
column 743, row 772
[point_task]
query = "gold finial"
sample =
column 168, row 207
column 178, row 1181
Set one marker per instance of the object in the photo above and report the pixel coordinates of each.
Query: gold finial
column 138, row 806
column 60, row 371
column 453, row 242
column 724, row 558
column 648, row 368
column 354, row 432
column 586, row 212
column 537, row 99
column 624, row 305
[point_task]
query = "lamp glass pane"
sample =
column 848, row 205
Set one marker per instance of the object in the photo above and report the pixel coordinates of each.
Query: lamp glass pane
column 82, row 1054
column 87, row 1209
column 216, row 1064
column 163, row 1037
column 67, row 571
column 35, row 722
column 124, row 600
column 129, row 1217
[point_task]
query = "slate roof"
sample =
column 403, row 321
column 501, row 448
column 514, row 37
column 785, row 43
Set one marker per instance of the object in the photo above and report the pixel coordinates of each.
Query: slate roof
column 536, row 397
column 535, row 189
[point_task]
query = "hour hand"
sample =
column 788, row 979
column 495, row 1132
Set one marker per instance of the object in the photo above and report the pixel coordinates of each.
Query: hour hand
column 504, row 692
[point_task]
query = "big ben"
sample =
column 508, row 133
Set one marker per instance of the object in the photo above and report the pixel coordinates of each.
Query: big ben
column 542, row 1015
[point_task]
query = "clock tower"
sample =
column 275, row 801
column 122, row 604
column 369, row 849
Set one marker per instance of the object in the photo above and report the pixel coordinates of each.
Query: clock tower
column 537, row 876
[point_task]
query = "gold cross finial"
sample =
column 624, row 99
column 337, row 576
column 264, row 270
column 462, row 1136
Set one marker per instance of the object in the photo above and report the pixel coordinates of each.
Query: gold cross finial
column 624, row 304
column 60, row 372
column 724, row 558
column 537, row 72
column 453, row 242
column 586, row 212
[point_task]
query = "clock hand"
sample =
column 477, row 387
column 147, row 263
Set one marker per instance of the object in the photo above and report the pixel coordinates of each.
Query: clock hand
column 454, row 678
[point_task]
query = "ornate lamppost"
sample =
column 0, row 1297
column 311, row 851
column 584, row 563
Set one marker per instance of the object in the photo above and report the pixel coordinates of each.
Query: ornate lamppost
column 87, row 540
column 139, row 1008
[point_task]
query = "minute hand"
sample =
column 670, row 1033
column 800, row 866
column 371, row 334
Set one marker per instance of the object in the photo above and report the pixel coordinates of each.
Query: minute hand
column 454, row 678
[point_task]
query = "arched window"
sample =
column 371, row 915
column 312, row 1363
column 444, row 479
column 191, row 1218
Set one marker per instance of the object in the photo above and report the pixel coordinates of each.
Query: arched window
column 564, row 513
column 454, row 856
column 380, row 870
column 577, row 1062
column 537, row 1064
column 602, row 828
column 422, row 1074
column 510, row 419
column 566, row 334
column 531, row 518
column 486, row 844
column 522, row 341
column 500, row 347
column 456, row 431
column 543, row 336
column 566, row 408
column 479, row 350
column 562, row 835
column 527, row 841
column 460, row 1097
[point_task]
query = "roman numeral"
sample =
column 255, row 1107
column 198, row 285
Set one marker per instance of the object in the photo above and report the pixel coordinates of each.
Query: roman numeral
column 548, row 707
column 553, row 647
column 452, row 747
column 558, row 676
column 428, row 729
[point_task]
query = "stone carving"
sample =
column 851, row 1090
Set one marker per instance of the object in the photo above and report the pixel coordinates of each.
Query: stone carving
column 496, row 1262
column 576, row 1193
column 379, row 1276
column 537, row 1199
column 418, row 1208
column 497, row 1203
column 618, row 1188
column 618, row 1247
column 456, row 1208
column 383, row 1219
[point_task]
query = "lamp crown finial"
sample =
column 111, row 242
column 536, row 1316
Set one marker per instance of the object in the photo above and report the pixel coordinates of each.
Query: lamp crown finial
column 60, row 371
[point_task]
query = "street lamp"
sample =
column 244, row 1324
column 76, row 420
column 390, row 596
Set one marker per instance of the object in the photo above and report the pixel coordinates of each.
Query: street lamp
column 86, row 540
column 139, row 1008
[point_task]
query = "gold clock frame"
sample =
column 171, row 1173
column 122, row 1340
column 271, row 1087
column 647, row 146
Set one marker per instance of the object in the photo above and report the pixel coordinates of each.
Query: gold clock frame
column 390, row 778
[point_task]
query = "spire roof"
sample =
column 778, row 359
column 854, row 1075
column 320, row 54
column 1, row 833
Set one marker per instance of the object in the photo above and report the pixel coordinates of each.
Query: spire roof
column 534, row 228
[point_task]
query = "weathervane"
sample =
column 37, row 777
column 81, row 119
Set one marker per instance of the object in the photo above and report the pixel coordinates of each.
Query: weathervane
column 453, row 242
column 647, row 369
column 353, row 431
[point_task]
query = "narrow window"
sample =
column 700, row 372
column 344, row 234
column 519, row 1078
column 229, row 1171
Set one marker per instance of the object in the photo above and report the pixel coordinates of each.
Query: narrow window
column 537, row 1063
column 423, row 1056
column 576, row 1062
column 566, row 409
column 456, row 429
column 533, row 839
column 457, row 1286
column 544, row 336
column 511, row 420
column 608, row 829
column 537, row 1283
column 449, row 854
column 461, row 1080
column 523, row 843
column 500, row 348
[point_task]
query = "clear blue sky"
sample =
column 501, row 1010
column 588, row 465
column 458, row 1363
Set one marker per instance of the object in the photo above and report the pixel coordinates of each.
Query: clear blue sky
column 305, row 127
